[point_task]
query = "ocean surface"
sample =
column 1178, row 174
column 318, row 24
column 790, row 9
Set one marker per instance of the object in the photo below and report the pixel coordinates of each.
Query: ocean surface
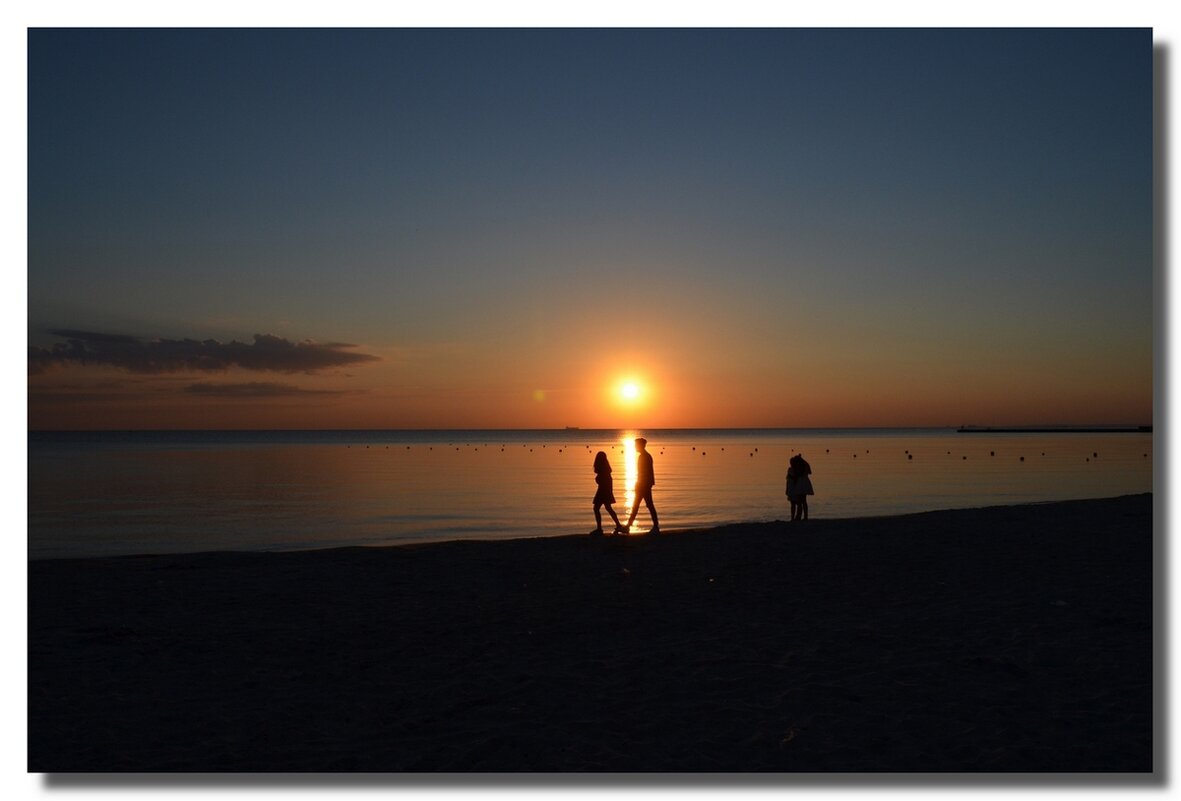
column 122, row 493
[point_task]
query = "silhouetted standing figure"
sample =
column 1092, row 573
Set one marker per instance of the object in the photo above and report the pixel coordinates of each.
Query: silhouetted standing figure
column 790, row 492
column 605, row 495
column 799, row 486
column 645, row 480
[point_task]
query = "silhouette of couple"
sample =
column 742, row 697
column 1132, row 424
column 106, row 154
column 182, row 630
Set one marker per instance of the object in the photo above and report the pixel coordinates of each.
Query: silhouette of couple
column 605, row 495
column 799, row 486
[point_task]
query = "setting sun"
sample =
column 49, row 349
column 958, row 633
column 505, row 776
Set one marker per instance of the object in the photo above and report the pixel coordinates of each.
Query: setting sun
column 630, row 391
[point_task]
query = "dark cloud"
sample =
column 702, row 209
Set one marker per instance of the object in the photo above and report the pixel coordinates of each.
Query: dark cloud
column 74, row 397
column 266, row 353
column 70, row 333
column 256, row 389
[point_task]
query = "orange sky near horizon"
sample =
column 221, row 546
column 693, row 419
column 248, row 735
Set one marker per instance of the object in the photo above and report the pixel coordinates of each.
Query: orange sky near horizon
column 479, row 386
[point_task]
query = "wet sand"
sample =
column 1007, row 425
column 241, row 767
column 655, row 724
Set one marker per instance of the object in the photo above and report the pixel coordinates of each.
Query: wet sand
column 1000, row 639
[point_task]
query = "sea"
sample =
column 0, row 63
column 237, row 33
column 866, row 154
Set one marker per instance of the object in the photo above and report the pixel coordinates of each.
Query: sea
column 156, row 492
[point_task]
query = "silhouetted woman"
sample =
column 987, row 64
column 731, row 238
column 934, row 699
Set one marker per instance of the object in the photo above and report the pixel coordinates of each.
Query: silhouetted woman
column 605, row 495
column 799, row 486
column 790, row 492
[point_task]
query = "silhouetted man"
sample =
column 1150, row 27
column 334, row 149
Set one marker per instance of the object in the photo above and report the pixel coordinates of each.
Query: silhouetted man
column 645, row 479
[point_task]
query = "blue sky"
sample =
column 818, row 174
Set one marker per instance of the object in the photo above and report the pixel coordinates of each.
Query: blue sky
column 774, row 226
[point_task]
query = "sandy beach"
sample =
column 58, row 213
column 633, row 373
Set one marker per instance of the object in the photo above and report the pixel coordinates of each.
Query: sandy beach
column 999, row 639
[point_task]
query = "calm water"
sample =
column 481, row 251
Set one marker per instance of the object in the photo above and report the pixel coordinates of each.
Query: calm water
column 170, row 492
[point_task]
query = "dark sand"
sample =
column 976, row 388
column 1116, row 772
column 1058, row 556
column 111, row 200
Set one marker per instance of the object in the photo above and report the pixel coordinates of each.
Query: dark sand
column 1002, row 639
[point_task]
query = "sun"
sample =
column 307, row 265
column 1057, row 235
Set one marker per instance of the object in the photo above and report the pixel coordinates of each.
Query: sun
column 630, row 391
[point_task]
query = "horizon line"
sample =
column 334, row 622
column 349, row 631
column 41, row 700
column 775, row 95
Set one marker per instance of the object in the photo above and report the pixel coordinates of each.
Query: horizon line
column 1032, row 428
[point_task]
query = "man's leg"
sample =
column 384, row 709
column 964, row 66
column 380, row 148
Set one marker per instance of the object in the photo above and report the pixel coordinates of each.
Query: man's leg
column 651, row 509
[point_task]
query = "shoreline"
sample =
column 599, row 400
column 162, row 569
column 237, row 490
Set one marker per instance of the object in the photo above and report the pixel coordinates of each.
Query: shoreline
column 947, row 641
column 666, row 532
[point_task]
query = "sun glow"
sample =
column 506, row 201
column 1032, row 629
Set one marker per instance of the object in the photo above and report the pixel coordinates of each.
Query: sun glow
column 630, row 391
column 629, row 396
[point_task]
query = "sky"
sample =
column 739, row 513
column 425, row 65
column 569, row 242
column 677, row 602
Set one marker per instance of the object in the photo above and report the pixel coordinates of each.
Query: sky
column 505, row 228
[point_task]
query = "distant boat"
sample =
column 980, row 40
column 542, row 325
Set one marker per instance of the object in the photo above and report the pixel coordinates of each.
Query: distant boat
column 572, row 428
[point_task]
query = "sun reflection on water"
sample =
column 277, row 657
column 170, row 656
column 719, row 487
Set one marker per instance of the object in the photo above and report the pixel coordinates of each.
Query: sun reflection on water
column 631, row 472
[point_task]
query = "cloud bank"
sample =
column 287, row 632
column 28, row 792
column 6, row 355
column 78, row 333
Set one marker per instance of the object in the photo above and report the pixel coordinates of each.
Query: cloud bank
column 155, row 356
column 256, row 389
